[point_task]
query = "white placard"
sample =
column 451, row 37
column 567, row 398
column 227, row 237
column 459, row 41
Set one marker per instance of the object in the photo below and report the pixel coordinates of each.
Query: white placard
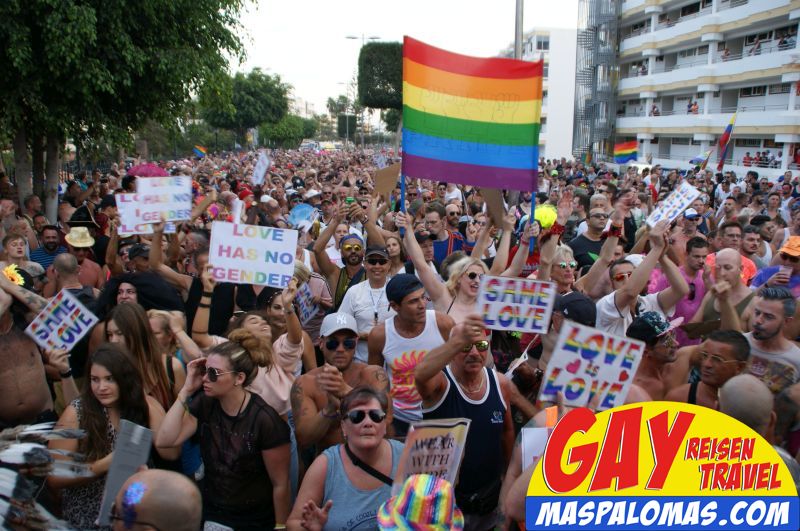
column 674, row 205
column 304, row 300
column 516, row 304
column 260, row 170
column 156, row 199
column 251, row 254
column 126, row 205
column 586, row 362
column 62, row 323
column 533, row 441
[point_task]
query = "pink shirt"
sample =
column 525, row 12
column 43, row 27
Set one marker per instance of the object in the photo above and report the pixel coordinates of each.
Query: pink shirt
column 688, row 305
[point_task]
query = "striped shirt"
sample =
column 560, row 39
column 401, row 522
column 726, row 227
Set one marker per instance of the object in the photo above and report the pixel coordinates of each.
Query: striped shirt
column 45, row 259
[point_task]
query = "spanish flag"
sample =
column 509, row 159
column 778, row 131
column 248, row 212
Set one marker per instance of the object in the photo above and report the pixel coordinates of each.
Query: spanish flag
column 625, row 151
column 724, row 142
column 470, row 120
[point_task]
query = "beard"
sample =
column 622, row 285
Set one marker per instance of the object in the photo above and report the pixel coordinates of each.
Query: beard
column 50, row 246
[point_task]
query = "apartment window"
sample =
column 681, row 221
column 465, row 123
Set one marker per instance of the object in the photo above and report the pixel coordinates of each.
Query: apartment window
column 786, row 30
column 721, row 46
column 690, row 9
column 695, row 142
column 680, row 141
column 546, row 71
column 702, row 50
column 761, row 37
column 751, row 92
column 780, row 88
column 691, row 52
column 748, row 142
column 543, row 43
column 716, row 94
column 544, row 94
column 705, row 3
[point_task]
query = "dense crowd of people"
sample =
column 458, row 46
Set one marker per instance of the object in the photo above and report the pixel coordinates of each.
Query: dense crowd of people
column 263, row 422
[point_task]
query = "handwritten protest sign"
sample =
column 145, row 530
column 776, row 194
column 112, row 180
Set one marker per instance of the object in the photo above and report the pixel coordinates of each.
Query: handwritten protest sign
column 516, row 304
column 260, row 170
column 675, row 203
column 126, row 205
column 304, row 301
column 586, row 362
column 250, row 254
column 157, row 198
column 433, row 447
column 386, row 179
column 62, row 323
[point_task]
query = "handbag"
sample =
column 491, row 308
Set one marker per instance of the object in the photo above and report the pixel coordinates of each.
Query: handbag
column 377, row 474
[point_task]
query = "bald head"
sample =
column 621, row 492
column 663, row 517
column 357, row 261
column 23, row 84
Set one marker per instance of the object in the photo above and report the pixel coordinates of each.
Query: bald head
column 163, row 499
column 730, row 256
column 66, row 264
column 748, row 400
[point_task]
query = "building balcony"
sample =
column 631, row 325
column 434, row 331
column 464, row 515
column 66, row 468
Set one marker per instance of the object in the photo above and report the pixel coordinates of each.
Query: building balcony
column 759, row 119
column 684, row 74
column 671, row 32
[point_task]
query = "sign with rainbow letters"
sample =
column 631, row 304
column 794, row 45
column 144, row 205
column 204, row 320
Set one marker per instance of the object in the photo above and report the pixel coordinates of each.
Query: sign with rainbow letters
column 62, row 323
column 516, row 304
column 251, row 254
column 586, row 362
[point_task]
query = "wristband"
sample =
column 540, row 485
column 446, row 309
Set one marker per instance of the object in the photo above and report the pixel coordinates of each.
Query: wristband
column 208, row 294
column 65, row 375
column 203, row 305
column 614, row 231
column 557, row 228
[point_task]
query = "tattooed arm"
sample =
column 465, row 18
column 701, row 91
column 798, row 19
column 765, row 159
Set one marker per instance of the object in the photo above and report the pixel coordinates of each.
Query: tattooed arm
column 311, row 423
column 33, row 301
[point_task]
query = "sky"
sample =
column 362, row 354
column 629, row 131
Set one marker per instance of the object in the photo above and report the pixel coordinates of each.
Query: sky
column 305, row 41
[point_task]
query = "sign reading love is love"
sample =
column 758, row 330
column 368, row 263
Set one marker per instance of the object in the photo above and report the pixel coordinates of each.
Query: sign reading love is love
column 586, row 362
column 516, row 304
column 251, row 254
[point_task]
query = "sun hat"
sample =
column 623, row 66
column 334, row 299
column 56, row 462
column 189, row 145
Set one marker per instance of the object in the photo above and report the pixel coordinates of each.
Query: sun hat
column 424, row 502
column 79, row 237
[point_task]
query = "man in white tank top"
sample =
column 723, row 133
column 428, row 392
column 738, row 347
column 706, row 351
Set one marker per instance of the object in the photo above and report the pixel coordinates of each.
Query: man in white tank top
column 400, row 342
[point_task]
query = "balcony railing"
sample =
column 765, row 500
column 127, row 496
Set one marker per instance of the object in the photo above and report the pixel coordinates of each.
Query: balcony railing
column 729, row 5
column 670, row 23
column 722, row 110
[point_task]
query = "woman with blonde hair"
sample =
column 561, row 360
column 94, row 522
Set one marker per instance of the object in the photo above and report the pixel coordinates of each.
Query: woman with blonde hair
column 169, row 329
column 244, row 442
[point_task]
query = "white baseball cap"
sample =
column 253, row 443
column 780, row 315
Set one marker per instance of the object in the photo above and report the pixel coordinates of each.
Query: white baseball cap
column 337, row 321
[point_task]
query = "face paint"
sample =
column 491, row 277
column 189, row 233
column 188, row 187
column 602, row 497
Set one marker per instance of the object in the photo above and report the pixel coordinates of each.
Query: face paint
column 133, row 495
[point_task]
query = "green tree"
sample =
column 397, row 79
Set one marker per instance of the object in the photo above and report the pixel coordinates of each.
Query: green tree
column 346, row 126
column 339, row 105
column 391, row 118
column 380, row 75
column 287, row 133
column 99, row 68
column 245, row 101
column 310, row 127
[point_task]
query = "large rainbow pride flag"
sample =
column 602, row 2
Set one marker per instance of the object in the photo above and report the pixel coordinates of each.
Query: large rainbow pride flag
column 625, row 151
column 470, row 120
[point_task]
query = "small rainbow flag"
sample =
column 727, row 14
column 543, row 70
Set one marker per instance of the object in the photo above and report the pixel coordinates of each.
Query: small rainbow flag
column 470, row 120
column 200, row 151
column 625, row 151
column 724, row 142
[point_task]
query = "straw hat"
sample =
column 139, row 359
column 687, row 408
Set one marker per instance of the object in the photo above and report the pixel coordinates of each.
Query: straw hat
column 79, row 237
column 424, row 502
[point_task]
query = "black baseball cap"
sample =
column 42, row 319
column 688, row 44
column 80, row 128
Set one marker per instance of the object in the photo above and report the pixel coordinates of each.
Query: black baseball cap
column 401, row 285
column 576, row 307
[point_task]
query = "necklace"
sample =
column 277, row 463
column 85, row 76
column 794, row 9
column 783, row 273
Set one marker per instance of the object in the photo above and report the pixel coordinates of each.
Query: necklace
column 374, row 302
column 470, row 390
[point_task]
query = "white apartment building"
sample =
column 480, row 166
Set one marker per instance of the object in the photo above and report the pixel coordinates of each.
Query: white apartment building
column 687, row 65
column 556, row 46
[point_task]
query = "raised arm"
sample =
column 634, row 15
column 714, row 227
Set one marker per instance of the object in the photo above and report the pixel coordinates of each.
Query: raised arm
column 625, row 296
column 177, row 324
column 200, row 323
column 183, row 282
column 433, row 285
column 518, row 263
column 601, row 265
column 326, row 267
column 112, row 256
column 294, row 330
column 34, row 302
column 178, row 424
column 678, row 287
column 503, row 246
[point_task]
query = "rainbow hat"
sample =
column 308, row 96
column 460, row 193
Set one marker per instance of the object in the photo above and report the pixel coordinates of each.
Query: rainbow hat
column 424, row 503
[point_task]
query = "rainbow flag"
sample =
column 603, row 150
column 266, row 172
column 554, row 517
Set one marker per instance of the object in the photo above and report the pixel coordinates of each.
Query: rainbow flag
column 200, row 151
column 724, row 141
column 470, row 120
column 625, row 151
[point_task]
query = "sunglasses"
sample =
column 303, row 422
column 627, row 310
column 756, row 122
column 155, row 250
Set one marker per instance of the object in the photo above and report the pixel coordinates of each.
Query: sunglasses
column 376, row 261
column 790, row 258
column 622, row 276
column 472, row 275
column 214, row 374
column 356, row 248
column 481, row 345
column 454, row 213
column 599, row 216
column 716, row 360
column 572, row 264
column 333, row 344
column 357, row 416
column 412, row 194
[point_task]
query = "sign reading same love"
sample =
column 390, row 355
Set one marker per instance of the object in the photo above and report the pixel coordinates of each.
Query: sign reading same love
column 62, row 323
column 251, row 254
column 586, row 362
column 675, row 203
column 157, row 198
column 516, row 304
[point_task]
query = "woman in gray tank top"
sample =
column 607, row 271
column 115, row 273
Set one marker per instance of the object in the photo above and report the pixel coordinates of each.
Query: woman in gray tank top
column 346, row 484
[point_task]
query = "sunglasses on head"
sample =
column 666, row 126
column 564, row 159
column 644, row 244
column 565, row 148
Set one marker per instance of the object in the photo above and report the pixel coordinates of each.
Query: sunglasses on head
column 790, row 258
column 376, row 261
column 357, row 416
column 214, row 374
column 352, row 247
column 573, row 264
column 481, row 345
column 333, row 344
column 472, row 275
column 622, row 276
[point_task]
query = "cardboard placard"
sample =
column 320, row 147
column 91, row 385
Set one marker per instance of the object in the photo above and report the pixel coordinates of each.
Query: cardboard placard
column 433, row 447
column 674, row 205
column 157, row 198
column 304, row 301
column 62, row 323
column 386, row 179
column 251, row 254
column 495, row 205
column 587, row 361
column 516, row 304
column 131, row 450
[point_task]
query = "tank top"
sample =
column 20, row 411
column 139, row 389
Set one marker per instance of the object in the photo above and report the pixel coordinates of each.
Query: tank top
column 483, row 453
column 711, row 314
column 354, row 509
column 401, row 355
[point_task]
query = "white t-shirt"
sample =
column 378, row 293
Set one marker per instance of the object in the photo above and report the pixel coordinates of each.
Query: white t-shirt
column 615, row 321
column 363, row 303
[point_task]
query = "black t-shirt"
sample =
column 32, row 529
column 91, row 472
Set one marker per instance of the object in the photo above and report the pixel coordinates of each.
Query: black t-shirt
column 237, row 490
column 585, row 250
